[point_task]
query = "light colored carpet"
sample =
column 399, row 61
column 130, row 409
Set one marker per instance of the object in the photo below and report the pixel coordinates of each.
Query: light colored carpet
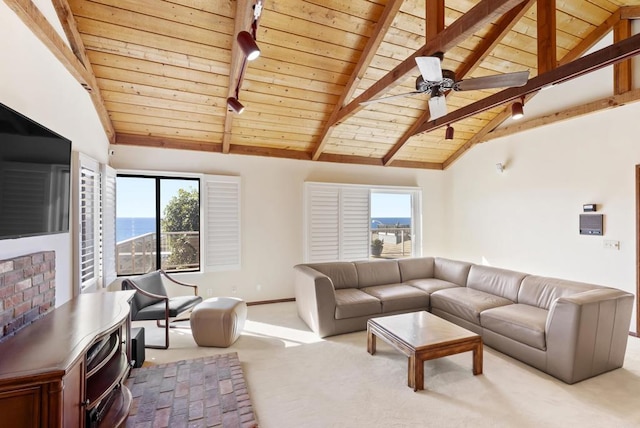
column 298, row 380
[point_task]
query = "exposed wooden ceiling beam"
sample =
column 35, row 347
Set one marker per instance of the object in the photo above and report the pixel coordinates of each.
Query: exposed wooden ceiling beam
column 630, row 12
column 434, row 13
column 476, row 18
column 244, row 18
column 587, row 64
column 369, row 52
column 587, row 43
column 166, row 143
column 498, row 32
column 570, row 113
column 31, row 16
column 622, row 71
column 546, row 26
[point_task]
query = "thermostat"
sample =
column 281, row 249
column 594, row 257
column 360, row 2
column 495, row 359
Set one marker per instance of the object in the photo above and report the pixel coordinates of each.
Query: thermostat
column 589, row 208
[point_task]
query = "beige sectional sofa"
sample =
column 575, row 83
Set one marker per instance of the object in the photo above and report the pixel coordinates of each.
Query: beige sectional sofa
column 570, row 330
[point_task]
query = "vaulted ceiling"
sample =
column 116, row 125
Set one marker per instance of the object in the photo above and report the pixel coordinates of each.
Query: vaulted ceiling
column 160, row 72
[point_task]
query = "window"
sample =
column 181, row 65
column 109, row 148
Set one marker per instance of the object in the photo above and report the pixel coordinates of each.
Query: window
column 391, row 223
column 157, row 224
column 344, row 222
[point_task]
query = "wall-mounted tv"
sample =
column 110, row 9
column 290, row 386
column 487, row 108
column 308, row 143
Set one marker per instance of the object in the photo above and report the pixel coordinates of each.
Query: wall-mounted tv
column 34, row 177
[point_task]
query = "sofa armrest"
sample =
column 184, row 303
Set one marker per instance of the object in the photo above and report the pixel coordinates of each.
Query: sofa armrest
column 587, row 333
column 315, row 299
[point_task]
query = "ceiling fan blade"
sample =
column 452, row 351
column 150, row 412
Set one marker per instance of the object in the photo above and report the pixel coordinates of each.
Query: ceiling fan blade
column 519, row 78
column 437, row 107
column 377, row 100
column 430, row 68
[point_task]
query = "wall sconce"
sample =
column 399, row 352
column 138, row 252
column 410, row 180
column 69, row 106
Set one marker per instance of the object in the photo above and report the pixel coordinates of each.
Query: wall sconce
column 517, row 110
column 235, row 105
column 448, row 134
column 248, row 45
column 500, row 167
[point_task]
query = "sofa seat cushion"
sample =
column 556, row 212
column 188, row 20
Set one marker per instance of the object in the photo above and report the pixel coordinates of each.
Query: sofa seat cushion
column 523, row 323
column 430, row 285
column 466, row 303
column 351, row 303
column 398, row 297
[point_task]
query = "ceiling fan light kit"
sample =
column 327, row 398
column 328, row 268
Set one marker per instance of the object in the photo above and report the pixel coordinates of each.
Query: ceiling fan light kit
column 436, row 82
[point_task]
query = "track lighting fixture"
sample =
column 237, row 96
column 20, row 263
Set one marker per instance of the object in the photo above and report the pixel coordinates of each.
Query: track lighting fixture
column 235, row 105
column 448, row 134
column 248, row 45
column 517, row 110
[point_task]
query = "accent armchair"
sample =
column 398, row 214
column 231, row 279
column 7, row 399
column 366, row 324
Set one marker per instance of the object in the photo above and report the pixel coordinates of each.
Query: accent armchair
column 152, row 302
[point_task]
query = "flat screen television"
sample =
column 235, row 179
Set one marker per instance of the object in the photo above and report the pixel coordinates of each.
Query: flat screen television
column 35, row 165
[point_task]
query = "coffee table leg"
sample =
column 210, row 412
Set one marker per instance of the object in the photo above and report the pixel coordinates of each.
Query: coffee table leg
column 371, row 341
column 477, row 359
column 415, row 373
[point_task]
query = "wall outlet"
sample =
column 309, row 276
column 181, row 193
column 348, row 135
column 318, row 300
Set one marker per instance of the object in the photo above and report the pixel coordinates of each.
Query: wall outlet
column 611, row 245
column 209, row 292
column 258, row 287
column 234, row 289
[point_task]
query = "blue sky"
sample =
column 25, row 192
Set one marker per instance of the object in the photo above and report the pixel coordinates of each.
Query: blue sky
column 136, row 196
column 390, row 205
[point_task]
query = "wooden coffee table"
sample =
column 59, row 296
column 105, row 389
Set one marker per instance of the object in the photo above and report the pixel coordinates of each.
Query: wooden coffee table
column 423, row 336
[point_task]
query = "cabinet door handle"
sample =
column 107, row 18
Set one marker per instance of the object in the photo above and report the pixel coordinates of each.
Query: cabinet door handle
column 85, row 402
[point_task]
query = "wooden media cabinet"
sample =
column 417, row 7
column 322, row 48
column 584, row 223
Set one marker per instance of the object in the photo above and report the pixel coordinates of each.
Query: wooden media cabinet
column 67, row 369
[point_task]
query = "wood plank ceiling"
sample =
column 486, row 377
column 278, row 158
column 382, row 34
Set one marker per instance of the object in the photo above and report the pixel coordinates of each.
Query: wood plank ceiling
column 164, row 69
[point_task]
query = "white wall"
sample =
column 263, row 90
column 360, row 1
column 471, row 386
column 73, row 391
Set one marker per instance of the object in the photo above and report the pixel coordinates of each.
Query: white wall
column 33, row 83
column 527, row 217
column 272, row 210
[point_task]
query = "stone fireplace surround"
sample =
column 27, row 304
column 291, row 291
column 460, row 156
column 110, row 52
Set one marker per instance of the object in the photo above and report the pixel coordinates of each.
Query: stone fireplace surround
column 27, row 290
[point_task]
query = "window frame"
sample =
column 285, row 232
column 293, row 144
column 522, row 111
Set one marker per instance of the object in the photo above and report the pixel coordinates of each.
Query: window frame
column 157, row 180
column 207, row 220
column 343, row 190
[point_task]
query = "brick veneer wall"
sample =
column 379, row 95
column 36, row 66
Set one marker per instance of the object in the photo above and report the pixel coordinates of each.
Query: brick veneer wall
column 27, row 290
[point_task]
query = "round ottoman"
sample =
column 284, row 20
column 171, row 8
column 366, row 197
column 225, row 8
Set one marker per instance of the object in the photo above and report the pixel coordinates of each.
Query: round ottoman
column 218, row 321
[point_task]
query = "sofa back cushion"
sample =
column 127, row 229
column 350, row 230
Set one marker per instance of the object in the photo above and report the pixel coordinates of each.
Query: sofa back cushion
column 541, row 291
column 451, row 270
column 415, row 268
column 499, row 282
column 342, row 274
column 377, row 273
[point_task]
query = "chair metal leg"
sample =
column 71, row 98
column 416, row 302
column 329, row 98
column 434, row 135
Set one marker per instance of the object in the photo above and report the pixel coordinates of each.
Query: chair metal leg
column 166, row 336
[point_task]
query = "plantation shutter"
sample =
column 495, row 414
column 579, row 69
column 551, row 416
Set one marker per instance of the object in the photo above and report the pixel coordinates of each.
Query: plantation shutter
column 87, row 229
column 108, row 226
column 222, row 223
column 355, row 224
column 336, row 222
column 323, row 226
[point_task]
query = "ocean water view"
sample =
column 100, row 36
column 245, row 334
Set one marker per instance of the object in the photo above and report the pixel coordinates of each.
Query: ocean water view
column 390, row 221
column 128, row 227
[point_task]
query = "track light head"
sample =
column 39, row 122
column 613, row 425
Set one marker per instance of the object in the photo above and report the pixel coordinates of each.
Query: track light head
column 248, row 45
column 235, row 105
column 448, row 134
column 517, row 110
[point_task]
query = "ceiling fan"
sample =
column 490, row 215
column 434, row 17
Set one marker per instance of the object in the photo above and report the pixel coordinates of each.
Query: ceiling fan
column 435, row 81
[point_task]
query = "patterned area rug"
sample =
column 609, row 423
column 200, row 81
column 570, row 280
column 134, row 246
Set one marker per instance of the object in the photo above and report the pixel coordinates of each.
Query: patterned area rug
column 203, row 392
